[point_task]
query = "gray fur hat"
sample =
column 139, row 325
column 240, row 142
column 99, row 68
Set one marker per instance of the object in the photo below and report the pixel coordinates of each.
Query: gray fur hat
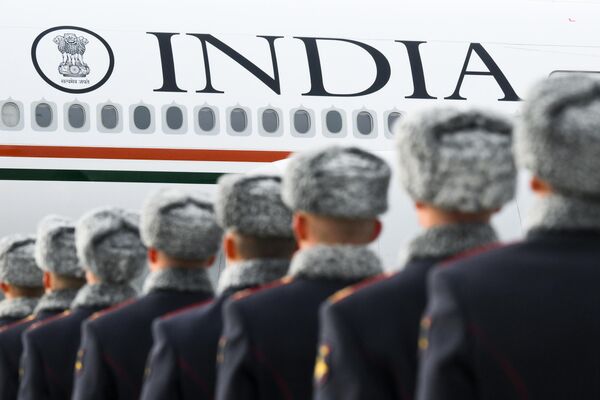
column 55, row 247
column 457, row 160
column 109, row 245
column 180, row 224
column 17, row 261
column 558, row 138
column 344, row 182
column 252, row 205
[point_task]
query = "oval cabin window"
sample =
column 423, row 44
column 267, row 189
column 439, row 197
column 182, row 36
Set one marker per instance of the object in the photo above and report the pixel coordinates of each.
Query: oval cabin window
column 142, row 118
column 11, row 115
column 43, row 115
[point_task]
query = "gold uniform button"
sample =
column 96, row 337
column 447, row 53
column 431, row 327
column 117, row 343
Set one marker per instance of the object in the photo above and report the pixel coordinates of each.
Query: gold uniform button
column 322, row 366
column 423, row 344
column 78, row 366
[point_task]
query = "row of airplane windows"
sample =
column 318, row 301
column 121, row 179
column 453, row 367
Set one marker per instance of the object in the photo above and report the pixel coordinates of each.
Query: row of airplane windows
column 206, row 119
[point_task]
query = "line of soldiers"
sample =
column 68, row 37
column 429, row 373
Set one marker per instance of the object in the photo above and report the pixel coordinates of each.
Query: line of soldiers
column 303, row 309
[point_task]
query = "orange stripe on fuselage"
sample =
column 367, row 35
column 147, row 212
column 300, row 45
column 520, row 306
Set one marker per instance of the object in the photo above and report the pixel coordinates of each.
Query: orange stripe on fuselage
column 120, row 153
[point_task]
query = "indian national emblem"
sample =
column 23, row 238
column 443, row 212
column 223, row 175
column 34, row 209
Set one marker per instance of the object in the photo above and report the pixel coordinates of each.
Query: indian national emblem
column 72, row 48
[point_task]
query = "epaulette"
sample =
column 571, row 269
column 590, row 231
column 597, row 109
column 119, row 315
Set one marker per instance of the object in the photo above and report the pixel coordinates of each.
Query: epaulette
column 37, row 324
column 16, row 323
column 185, row 309
column 110, row 309
column 350, row 290
column 242, row 294
column 474, row 252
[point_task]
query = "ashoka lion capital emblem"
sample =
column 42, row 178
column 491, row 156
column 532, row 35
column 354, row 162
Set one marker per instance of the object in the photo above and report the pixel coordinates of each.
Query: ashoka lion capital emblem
column 72, row 48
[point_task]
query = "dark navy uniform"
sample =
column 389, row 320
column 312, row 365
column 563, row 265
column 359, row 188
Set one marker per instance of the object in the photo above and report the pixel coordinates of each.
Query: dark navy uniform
column 520, row 322
column 182, row 363
column 11, row 347
column 366, row 351
column 49, row 355
column 270, row 340
column 115, row 345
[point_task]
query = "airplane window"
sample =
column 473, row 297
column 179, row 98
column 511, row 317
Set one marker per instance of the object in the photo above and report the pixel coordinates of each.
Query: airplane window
column 109, row 116
column 174, row 118
column 364, row 122
column 270, row 121
column 206, row 119
column 11, row 115
column 239, row 120
column 76, row 116
column 393, row 117
column 142, row 118
column 333, row 120
column 301, row 121
column 43, row 115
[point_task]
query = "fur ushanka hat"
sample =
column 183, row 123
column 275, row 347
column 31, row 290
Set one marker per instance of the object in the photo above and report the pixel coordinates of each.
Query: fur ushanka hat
column 55, row 249
column 17, row 262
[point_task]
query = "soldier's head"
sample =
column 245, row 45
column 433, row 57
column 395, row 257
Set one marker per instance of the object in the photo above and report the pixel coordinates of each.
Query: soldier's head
column 19, row 273
column 256, row 222
column 109, row 246
column 337, row 195
column 558, row 137
column 56, row 255
column 179, row 229
column 457, row 166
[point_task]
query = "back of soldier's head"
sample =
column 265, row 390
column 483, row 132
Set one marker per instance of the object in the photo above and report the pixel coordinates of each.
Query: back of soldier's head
column 55, row 250
column 558, row 138
column 180, row 224
column 340, row 191
column 251, row 208
column 457, row 161
column 18, row 267
column 109, row 245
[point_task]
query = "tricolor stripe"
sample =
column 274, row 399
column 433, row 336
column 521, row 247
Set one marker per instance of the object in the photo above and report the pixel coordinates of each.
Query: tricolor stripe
column 120, row 153
column 68, row 175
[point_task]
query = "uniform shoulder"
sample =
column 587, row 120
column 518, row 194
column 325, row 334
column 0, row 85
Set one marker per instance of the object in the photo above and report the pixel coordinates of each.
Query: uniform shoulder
column 253, row 293
column 350, row 293
column 40, row 328
column 485, row 255
column 182, row 314
column 9, row 328
column 103, row 315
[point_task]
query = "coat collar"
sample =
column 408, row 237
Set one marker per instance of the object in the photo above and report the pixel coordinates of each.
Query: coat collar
column 179, row 279
column 56, row 300
column 559, row 213
column 448, row 240
column 18, row 308
column 252, row 273
column 103, row 295
column 335, row 262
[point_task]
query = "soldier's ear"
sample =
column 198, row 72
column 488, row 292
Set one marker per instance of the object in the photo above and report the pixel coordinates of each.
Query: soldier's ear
column 230, row 247
column 152, row 255
column 4, row 287
column 300, row 228
column 376, row 230
column 539, row 186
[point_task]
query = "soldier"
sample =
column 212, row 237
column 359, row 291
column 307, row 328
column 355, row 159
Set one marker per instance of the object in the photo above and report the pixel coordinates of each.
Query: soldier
column 258, row 245
column 20, row 278
column 183, row 237
column 112, row 254
column 458, row 168
column 270, row 336
column 55, row 254
column 523, row 321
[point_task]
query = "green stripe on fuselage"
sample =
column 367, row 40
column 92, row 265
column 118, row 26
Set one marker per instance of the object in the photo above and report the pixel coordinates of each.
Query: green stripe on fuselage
column 68, row 175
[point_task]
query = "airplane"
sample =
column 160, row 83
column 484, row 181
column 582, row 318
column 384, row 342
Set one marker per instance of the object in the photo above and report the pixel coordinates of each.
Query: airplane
column 101, row 102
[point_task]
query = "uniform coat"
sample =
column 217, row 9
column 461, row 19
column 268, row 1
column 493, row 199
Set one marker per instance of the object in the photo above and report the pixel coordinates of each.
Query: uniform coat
column 50, row 346
column 369, row 332
column 11, row 345
column 270, row 337
column 182, row 363
column 115, row 345
column 520, row 322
